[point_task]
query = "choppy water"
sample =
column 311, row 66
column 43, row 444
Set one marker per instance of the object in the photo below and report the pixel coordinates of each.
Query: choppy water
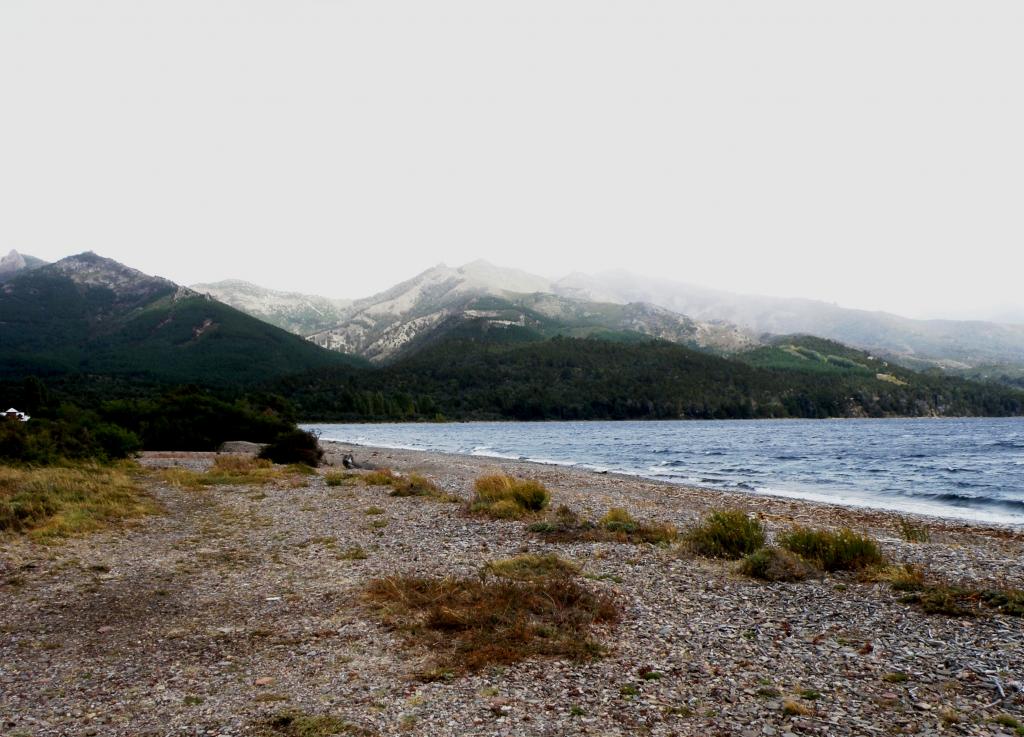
column 963, row 468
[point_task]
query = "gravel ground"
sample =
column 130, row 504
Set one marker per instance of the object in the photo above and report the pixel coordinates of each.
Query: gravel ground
column 239, row 602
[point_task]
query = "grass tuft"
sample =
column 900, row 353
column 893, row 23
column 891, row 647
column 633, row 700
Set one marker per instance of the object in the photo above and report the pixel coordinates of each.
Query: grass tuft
column 912, row 532
column 532, row 607
column 730, row 534
column 404, row 486
column 616, row 526
column 58, row 501
column 793, row 708
column 775, row 564
column 842, row 550
column 531, row 567
column 298, row 724
column 338, row 478
column 506, row 497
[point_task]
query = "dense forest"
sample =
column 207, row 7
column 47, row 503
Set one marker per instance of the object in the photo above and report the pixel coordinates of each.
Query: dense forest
column 574, row 379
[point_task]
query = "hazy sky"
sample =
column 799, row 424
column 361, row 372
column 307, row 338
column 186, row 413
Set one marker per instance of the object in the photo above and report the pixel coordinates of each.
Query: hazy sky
column 867, row 153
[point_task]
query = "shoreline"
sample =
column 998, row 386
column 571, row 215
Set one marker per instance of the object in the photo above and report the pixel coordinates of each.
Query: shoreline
column 239, row 605
column 740, row 494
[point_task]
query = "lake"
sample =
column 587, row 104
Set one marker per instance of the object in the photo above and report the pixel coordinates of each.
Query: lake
column 961, row 468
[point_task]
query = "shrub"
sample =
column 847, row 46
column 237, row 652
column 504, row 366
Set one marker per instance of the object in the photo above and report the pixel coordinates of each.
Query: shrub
column 842, row 550
column 475, row 622
column 906, row 577
column 294, row 446
column 618, row 520
column 416, row 485
column 913, row 533
column 299, row 724
column 380, row 477
column 505, row 497
column 727, row 534
column 1007, row 601
column 775, row 564
column 75, row 436
column 405, row 486
column 945, row 600
column 616, row 526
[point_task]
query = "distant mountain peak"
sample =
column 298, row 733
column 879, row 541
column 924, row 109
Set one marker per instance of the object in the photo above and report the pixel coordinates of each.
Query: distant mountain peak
column 15, row 262
column 302, row 314
column 89, row 269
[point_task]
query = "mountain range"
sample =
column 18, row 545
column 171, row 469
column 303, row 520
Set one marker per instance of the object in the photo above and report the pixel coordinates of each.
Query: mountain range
column 475, row 342
column 393, row 323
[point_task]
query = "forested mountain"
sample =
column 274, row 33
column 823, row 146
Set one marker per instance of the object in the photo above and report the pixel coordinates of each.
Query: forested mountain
column 514, row 376
column 92, row 326
column 88, row 314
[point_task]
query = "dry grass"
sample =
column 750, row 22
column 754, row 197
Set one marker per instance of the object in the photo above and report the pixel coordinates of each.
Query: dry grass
column 912, row 532
column 840, row 550
column 506, row 497
column 404, row 486
column 299, row 724
column 729, row 534
column 943, row 598
column 531, row 567
column 338, row 478
column 775, row 564
column 59, row 501
column 617, row 525
column 793, row 708
column 233, row 470
column 531, row 607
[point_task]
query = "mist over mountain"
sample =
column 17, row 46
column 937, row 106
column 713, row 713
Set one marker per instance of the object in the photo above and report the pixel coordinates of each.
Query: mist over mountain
column 389, row 324
column 441, row 299
column 949, row 344
column 302, row 314
column 14, row 263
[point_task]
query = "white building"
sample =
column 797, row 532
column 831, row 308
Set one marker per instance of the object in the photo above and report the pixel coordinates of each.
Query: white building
column 13, row 414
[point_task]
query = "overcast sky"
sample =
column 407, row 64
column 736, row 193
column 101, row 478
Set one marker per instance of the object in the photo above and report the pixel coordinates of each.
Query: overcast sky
column 868, row 153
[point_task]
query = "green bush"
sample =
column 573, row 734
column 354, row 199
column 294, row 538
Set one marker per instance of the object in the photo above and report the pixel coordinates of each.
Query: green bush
column 842, row 550
column 294, row 446
column 727, row 534
column 73, row 436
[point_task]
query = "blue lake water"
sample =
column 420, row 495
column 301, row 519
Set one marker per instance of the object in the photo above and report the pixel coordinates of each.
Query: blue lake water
column 962, row 468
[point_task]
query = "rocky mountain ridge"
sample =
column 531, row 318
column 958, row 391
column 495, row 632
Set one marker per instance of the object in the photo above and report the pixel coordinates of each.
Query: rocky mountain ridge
column 302, row 314
column 15, row 262
column 391, row 323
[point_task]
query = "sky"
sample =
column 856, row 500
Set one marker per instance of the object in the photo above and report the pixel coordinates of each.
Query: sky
column 869, row 154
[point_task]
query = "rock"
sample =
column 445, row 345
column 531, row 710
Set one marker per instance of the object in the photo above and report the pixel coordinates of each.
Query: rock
column 265, row 681
column 241, row 446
